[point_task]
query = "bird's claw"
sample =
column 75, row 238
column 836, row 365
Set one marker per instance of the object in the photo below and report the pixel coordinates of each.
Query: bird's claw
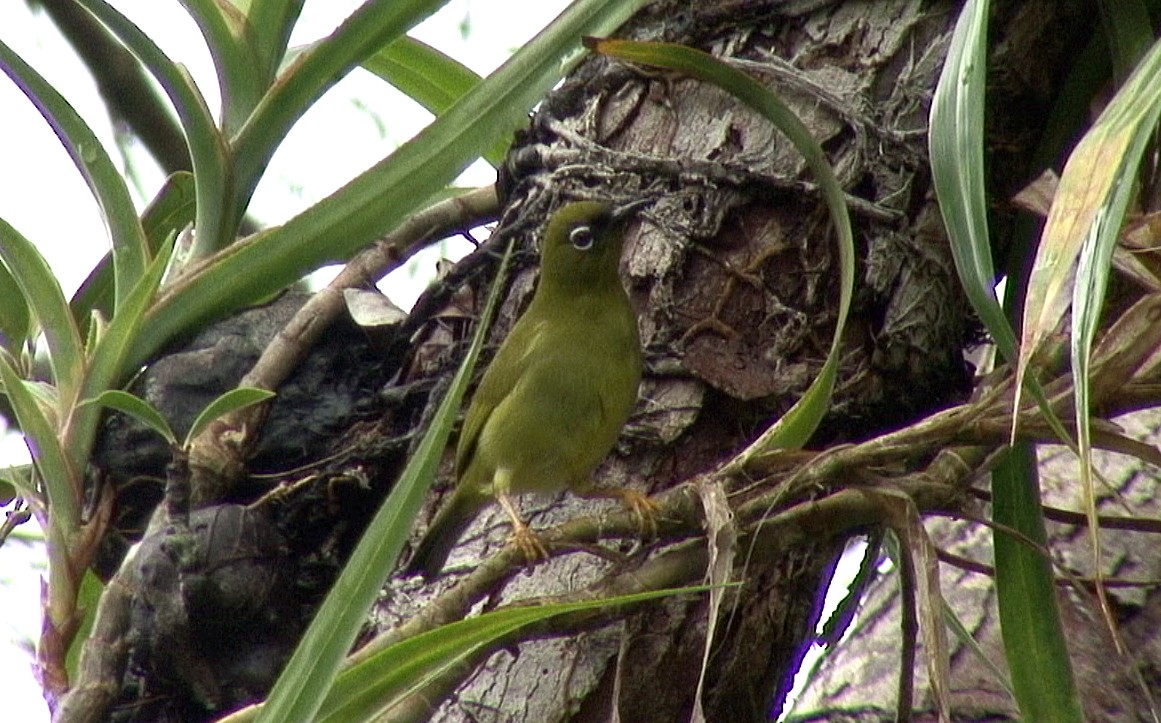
column 529, row 544
column 643, row 509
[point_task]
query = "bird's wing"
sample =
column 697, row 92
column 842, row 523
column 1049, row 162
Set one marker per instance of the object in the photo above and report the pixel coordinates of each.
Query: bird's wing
column 498, row 383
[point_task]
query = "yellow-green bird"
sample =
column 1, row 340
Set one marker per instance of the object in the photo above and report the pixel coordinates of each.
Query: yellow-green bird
column 554, row 399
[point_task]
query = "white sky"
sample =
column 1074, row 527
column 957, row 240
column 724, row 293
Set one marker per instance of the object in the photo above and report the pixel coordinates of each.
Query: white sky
column 42, row 195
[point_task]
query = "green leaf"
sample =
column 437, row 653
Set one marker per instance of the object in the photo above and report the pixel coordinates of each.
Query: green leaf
column 242, row 77
column 966, row 639
column 89, row 156
column 373, row 687
column 1124, row 131
column 270, row 25
column 309, row 674
column 170, row 211
column 15, row 319
column 139, row 409
column 794, row 428
column 1034, row 642
column 374, row 24
column 88, row 599
column 208, row 148
column 107, row 364
column 1129, row 32
column 230, row 401
column 957, row 152
column 428, row 76
column 379, row 199
column 44, row 297
column 956, row 146
column 61, row 484
column 431, row 79
column 17, row 481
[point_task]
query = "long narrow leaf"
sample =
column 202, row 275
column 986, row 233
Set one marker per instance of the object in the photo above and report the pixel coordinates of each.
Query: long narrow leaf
column 240, row 74
column 373, row 687
column 308, row 675
column 794, row 428
column 107, row 359
column 104, row 180
column 170, row 211
column 1026, row 597
column 431, row 79
column 61, row 487
column 426, row 75
column 207, row 147
column 956, row 143
column 1129, row 33
column 271, row 22
column 373, row 25
column 1024, row 585
column 380, row 198
column 1127, row 126
column 956, row 146
column 231, row 401
column 139, row 409
column 15, row 318
column 1096, row 167
column 44, row 297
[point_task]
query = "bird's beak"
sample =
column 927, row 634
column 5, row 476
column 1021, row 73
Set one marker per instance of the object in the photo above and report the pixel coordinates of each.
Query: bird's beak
column 623, row 212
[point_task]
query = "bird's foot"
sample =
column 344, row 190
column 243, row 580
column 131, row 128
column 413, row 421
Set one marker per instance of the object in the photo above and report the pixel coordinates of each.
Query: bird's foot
column 529, row 543
column 644, row 510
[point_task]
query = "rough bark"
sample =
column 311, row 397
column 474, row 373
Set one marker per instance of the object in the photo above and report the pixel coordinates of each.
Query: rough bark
column 734, row 273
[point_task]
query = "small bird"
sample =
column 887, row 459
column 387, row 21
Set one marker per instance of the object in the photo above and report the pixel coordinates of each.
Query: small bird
column 554, row 399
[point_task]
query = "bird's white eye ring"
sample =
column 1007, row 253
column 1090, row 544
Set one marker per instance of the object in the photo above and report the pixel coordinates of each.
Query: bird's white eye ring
column 581, row 238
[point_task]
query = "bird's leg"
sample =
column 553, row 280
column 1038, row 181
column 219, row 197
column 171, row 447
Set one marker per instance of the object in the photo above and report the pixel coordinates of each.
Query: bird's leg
column 643, row 509
column 522, row 534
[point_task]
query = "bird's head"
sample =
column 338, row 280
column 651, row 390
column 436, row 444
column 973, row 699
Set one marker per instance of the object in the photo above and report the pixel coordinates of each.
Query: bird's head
column 582, row 244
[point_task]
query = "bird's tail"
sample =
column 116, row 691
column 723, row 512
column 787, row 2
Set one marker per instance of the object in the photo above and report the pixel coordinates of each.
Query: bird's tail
column 445, row 531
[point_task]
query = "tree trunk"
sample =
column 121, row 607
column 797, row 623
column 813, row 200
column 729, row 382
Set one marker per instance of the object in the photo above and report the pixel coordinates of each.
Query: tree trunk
column 734, row 273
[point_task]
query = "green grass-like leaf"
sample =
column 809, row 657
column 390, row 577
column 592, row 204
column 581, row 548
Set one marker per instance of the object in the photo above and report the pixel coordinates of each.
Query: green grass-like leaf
column 426, row 75
column 377, row 200
column 15, row 318
column 794, row 428
column 208, row 149
column 1127, row 127
column 956, row 145
column 1129, row 32
column 231, row 401
column 373, row 687
column 88, row 599
column 61, row 486
column 140, row 410
column 43, row 295
column 1037, row 654
column 431, row 79
column 107, row 367
column 1034, row 644
column 170, row 211
column 307, row 678
column 102, row 176
column 241, row 75
column 270, row 23
column 373, row 25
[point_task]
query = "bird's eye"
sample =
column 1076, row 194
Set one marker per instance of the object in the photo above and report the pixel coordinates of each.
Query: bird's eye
column 581, row 238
